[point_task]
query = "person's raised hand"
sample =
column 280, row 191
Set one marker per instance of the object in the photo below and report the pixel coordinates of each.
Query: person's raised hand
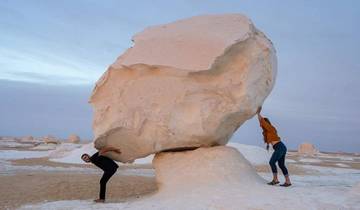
column 258, row 110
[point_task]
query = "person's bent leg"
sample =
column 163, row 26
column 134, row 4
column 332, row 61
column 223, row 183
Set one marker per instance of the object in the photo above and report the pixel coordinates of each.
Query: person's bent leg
column 282, row 166
column 272, row 163
column 284, row 170
column 104, row 179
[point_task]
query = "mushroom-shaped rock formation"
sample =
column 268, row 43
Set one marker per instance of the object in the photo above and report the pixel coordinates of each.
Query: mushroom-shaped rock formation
column 186, row 84
column 73, row 138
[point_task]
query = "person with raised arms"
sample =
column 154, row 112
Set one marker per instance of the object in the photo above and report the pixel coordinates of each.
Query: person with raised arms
column 271, row 137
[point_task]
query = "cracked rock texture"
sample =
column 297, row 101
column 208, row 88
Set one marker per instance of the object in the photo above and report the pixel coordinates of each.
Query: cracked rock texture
column 190, row 83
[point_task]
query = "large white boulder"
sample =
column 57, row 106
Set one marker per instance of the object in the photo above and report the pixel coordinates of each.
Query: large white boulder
column 185, row 84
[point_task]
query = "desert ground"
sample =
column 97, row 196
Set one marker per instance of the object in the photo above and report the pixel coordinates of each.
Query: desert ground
column 30, row 177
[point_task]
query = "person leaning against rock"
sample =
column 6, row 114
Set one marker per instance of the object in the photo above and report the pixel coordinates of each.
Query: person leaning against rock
column 271, row 137
column 106, row 164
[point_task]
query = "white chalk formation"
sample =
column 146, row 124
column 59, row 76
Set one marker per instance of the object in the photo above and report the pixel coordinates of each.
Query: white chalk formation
column 307, row 149
column 73, row 138
column 199, row 168
column 50, row 140
column 63, row 150
column 217, row 177
column 27, row 139
column 185, row 84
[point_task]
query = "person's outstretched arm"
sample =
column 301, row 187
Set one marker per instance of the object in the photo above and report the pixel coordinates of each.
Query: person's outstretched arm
column 109, row 149
column 265, row 125
column 259, row 115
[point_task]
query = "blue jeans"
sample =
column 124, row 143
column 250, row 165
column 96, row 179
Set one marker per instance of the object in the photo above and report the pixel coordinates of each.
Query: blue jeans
column 279, row 156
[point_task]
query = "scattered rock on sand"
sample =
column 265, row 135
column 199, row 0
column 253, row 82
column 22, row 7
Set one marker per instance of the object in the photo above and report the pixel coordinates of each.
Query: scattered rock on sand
column 27, row 138
column 64, row 149
column 50, row 140
column 307, row 149
column 30, row 139
column 74, row 155
column 44, row 146
column 190, row 83
column 73, row 138
column 7, row 138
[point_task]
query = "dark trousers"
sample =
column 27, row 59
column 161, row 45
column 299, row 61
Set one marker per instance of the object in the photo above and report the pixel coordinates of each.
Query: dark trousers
column 279, row 156
column 104, row 179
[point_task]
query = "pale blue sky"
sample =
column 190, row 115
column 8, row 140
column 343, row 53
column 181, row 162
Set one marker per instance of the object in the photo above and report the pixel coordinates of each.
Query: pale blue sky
column 52, row 52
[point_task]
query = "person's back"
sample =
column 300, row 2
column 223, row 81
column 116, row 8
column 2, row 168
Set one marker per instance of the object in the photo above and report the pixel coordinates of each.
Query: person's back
column 106, row 164
column 269, row 131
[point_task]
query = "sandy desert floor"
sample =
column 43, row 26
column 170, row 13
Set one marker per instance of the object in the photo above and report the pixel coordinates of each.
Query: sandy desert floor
column 25, row 188
column 27, row 181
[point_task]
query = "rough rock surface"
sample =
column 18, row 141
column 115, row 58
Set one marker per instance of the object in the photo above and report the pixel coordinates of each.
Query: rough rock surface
column 307, row 149
column 73, row 138
column 185, row 84
column 50, row 140
column 219, row 165
column 29, row 139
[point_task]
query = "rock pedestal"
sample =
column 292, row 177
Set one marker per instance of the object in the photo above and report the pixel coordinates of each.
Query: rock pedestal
column 212, row 167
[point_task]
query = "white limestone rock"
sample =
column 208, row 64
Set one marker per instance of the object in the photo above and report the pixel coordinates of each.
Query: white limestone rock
column 30, row 140
column 185, row 84
column 64, row 150
column 50, row 140
column 73, row 138
column 206, row 178
column 45, row 146
column 27, row 139
column 193, row 169
column 307, row 149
